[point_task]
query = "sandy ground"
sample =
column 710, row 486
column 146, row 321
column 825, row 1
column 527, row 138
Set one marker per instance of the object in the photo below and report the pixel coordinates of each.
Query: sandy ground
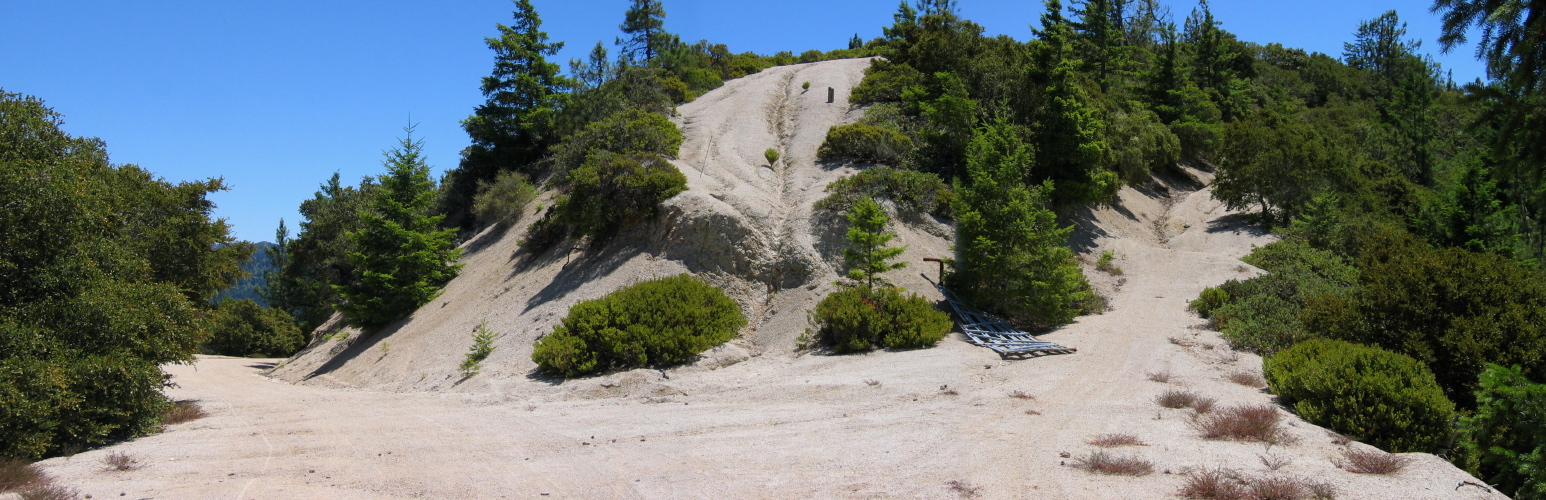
column 387, row 417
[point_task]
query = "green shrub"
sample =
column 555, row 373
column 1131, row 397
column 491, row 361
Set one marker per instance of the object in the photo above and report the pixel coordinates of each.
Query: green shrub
column 1198, row 140
column 884, row 81
column 1386, row 399
column 502, row 201
column 864, row 142
column 805, row 86
column 911, row 190
column 1453, row 309
column 771, row 155
column 653, row 323
column 859, row 318
column 624, row 132
column 1210, row 299
column 482, row 347
column 1105, row 263
column 810, row 56
column 611, row 189
column 1140, row 143
column 244, row 328
column 1507, row 435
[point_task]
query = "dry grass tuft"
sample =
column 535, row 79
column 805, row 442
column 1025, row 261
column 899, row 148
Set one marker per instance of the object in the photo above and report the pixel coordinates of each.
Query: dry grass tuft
column 1115, row 440
column 1244, row 422
column 963, row 488
column 1021, row 395
column 871, row 382
column 50, row 492
column 182, row 411
column 1032, row 412
column 1248, row 379
column 17, row 475
column 1107, row 463
column 1226, row 484
column 1372, row 461
column 120, row 461
column 1274, row 461
column 1339, row 439
column 949, row 392
column 1213, row 484
column 1175, row 398
column 1161, row 377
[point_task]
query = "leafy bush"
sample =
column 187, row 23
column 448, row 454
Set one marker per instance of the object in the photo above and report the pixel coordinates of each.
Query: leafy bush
column 624, row 132
column 244, row 328
column 864, row 142
column 884, row 81
column 860, row 318
column 1507, row 434
column 1386, row 399
column 771, row 155
column 502, row 201
column 1140, row 143
column 911, row 190
column 1261, row 314
column 610, row 189
column 1211, row 298
column 653, row 323
column 1451, row 309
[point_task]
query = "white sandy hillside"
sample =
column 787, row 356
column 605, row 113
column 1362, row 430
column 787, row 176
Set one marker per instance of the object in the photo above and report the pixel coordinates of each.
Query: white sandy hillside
column 742, row 224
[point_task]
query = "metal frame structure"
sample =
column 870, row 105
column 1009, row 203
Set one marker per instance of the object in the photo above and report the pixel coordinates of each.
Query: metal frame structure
column 991, row 332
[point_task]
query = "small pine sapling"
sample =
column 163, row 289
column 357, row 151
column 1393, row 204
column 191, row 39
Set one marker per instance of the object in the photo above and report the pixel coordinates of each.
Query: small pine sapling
column 868, row 255
column 482, row 347
column 772, row 156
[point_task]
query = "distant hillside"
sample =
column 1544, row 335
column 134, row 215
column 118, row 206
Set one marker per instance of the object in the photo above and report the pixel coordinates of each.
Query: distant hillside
column 251, row 286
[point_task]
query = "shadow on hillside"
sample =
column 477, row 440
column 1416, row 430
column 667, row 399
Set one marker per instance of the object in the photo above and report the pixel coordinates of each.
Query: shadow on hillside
column 1236, row 223
column 357, row 345
column 262, row 365
column 486, row 239
column 593, row 263
column 1086, row 227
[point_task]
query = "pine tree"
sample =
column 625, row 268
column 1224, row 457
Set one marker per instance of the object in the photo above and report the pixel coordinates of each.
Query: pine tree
column 590, row 74
column 402, row 259
column 855, row 42
column 513, row 127
column 1100, row 28
column 644, row 32
column 867, row 238
column 1069, row 143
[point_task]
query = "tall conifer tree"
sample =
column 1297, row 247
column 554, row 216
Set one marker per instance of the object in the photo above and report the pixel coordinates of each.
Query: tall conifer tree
column 644, row 32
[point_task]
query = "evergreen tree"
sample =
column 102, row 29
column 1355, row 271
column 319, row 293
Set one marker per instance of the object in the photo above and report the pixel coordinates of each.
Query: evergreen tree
column 867, row 255
column 644, row 32
column 1069, row 145
column 1100, row 28
column 317, row 259
column 855, row 42
column 514, row 126
column 591, row 73
column 401, row 258
column 1012, row 258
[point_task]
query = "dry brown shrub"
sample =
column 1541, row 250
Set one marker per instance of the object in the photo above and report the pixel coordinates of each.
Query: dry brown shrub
column 1339, row 439
column 182, row 411
column 17, row 475
column 1248, row 379
column 1372, row 461
column 50, row 492
column 1032, row 412
column 120, row 461
column 1175, row 398
column 1115, row 440
column 1107, row 463
column 963, row 488
column 1274, row 461
column 1161, row 377
column 1213, row 484
column 1021, row 395
column 1244, row 422
column 950, row 392
column 1278, row 488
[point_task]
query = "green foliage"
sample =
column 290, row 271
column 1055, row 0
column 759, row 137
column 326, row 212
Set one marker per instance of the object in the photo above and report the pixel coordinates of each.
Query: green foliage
column 1385, row 399
column 1140, row 145
column 884, row 81
column 910, row 190
column 482, row 347
column 867, row 255
column 805, row 86
column 771, row 155
column 1277, row 166
column 864, row 142
column 1452, row 309
column 501, row 202
column 1507, row 434
column 630, row 131
column 609, row 190
column 244, row 328
column 660, row 322
column 513, row 128
column 317, row 260
column 1104, row 263
column 1013, row 258
column 102, row 270
column 401, row 258
column 1209, row 300
column 1262, row 314
column 644, row 32
column 861, row 318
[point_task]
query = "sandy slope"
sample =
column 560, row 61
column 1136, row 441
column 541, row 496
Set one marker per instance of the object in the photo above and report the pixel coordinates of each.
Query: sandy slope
column 388, row 418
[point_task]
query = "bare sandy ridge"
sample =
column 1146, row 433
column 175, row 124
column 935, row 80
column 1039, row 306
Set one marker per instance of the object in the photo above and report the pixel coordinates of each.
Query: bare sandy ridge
column 387, row 417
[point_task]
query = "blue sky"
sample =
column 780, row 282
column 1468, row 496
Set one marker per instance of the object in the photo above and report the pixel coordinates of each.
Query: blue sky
column 276, row 96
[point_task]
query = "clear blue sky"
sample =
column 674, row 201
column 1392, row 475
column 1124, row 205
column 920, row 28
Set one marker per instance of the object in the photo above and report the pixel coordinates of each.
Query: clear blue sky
column 276, row 96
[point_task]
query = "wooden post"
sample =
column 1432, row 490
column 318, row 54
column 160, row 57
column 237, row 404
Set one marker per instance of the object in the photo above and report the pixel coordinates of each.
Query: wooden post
column 941, row 266
column 831, row 94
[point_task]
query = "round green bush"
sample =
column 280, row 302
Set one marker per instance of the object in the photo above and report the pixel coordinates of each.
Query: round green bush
column 244, row 328
column 1386, row 399
column 771, row 155
column 501, row 202
column 859, row 318
column 865, row 142
column 654, row 323
column 1210, row 299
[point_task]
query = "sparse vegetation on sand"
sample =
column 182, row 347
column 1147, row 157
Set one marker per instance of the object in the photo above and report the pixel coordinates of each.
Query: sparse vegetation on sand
column 1247, row 422
column 482, row 346
column 1104, row 462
